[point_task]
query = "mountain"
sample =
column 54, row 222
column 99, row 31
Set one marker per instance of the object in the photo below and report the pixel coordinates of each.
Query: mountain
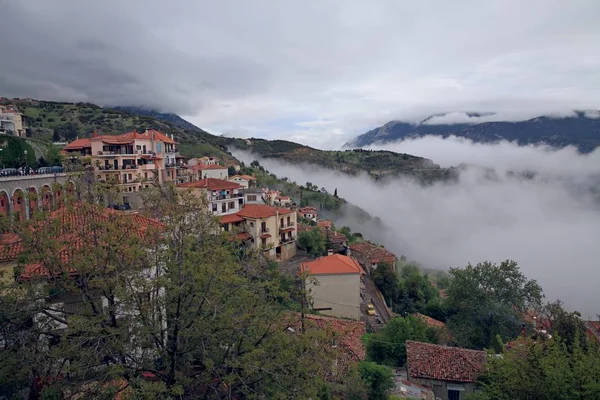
column 581, row 130
column 377, row 164
column 50, row 121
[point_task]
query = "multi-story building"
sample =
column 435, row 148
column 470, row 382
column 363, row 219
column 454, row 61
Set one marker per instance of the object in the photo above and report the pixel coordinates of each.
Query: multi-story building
column 271, row 229
column 11, row 121
column 223, row 197
column 339, row 285
column 309, row 213
column 216, row 171
column 246, row 181
column 132, row 160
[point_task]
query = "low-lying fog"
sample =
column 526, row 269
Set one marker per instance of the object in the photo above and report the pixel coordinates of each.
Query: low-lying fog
column 550, row 229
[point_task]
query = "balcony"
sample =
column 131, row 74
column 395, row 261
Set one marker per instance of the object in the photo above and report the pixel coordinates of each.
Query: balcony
column 288, row 240
column 264, row 230
column 228, row 196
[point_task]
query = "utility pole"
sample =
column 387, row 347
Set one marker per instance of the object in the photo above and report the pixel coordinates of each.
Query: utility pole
column 303, row 293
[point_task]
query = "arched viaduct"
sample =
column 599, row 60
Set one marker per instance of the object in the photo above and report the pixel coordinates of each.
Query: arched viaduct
column 23, row 195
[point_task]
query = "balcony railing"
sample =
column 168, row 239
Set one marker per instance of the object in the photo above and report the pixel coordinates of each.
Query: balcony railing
column 264, row 230
column 287, row 240
column 228, row 196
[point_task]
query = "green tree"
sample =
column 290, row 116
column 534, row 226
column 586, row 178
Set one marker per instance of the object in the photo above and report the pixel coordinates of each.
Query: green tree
column 231, row 171
column 378, row 379
column 388, row 346
column 489, row 300
column 313, row 242
column 386, row 280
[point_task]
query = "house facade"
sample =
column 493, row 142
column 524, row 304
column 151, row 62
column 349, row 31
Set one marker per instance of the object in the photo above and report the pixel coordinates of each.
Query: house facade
column 11, row 121
column 338, row 287
column 272, row 229
column 254, row 196
column 451, row 372
column 246, row 181
column 132, row 161
column 370, row 255
column 224, row 197
column 214, row 171
column 309, row 213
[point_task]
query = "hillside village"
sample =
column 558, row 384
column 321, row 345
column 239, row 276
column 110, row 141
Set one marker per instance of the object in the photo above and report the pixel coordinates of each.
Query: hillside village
column 344, row 279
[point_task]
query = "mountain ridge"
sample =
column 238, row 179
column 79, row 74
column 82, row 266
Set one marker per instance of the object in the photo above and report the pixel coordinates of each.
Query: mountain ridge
column 581, row 130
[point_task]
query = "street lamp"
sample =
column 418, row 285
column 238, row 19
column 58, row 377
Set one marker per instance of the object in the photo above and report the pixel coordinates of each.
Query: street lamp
column 25, row 162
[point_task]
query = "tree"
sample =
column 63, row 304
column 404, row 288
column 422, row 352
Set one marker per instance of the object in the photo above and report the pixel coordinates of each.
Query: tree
column 388, row 346
column 313, row 242
column 67, row 131
column 386, row 280
column 489, row 300
column 173, row 300
column 335, row 193
column 231, row 171
column 543, row 370
column 378, row 379
column 567, row 325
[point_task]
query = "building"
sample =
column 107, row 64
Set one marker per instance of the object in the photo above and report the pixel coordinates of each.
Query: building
column 272, row 229
column 450, row 371
column 11, row 121
column 370, row 255
column 246, row 181
column 309, row 213
column 337, row 292
column 234, row 164
column 283, row 201
column 593, row 330
column 215, row 171
column 338, row 241
column 132, row 160
column 271, row 195
column 223, row 197
column 254, row 196
column 325, row 224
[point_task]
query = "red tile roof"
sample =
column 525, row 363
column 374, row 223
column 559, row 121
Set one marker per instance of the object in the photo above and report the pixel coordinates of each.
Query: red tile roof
column 256, row 211
column 373, row 253
column 10, row 246
column 336, row 237
column 230, row 219
column 78, row 144
column 244, row 236
column 332, row 265
column 308, row 210
column 431, row 322
column 211, row 166
column 325, row 224
column 431, row 361
column 147, row 135
column 211, row 184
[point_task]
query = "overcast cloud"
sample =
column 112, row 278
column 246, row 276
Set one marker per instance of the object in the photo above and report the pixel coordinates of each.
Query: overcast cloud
column 548, row 225
column 281, row 69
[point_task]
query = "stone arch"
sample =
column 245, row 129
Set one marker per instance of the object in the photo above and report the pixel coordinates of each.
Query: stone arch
column 59, row 194
column 19, row 206
column 33, row 201
column 46, row 196
column 4, row 203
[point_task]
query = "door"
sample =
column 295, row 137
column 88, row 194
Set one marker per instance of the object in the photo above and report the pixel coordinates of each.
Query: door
column 453, row 394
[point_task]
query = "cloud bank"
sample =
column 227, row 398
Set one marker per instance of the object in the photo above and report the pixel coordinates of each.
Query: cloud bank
column 549, row 225
column 270, row 68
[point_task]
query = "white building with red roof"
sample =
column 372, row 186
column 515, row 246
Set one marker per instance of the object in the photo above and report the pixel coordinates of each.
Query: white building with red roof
column 215, row 171
column 224, row 197
column 450, row 371
column 338, row 285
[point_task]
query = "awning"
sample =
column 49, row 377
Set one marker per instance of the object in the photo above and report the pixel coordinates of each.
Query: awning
column 265, row 235
column 244, row 236
column 288, row 229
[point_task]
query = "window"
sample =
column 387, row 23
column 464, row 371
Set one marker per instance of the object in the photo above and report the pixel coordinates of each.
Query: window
column 214, row 207
column 231, row 204
column 223, row 207
column 226, row 227
column 263, row 226
column 241, row 201
column 264, row 242
column 251, row 197
column 251, row 224
column 158, row 147
column 289, row 221
column 281, row 222
column 145, row 175
column 453, row 394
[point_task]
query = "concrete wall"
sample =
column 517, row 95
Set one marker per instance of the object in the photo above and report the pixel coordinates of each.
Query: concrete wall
column 341, row 292
column 440, row 388
column 25, row 194
column 214, row 173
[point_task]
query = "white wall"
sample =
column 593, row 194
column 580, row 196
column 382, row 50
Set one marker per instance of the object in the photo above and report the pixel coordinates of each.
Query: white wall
column 341, row 292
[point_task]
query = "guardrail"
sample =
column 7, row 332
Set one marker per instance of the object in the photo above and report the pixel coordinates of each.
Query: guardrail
column 31, row 176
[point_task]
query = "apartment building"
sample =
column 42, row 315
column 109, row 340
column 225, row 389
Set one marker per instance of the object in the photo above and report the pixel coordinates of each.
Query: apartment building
column 223, row 197
column 11, row 121
column 268, row 228
column 132, row 160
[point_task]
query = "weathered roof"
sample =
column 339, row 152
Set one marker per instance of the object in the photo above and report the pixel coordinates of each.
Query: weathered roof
column 371, row 251
column 230, row 218
column 444, row 363
column 336, row 237
column 325, row 224
column 78, row 144
column 261, row 211
column 148, row 135
column 332, row 265
column 211, row 184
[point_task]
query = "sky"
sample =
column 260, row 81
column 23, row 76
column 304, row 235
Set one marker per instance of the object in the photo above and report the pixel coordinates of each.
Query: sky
column 549, row 225
column 316, row 72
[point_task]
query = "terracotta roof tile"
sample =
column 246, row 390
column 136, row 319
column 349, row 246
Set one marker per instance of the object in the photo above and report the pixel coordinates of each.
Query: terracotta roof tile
column 211, row 184
column 336, row 237
column 255, row 211
column 78, row 144
column 230, row 218
column 10, row 246
column 324, row 224
column 431, row 361
column 431, row 322
column 244, row 236
column 331, row 265
column 372, row 252
column 147, row 135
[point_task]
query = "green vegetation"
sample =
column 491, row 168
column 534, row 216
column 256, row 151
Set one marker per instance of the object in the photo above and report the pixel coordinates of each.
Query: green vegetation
column 487, row 302
column 53, row 121
column 388, row 347
column 173, row 311
column 12, row 154
column 313, row 242
column 378, row 378
column 378, row 164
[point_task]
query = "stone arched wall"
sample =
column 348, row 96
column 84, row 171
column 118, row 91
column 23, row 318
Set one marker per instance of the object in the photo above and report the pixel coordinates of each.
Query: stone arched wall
column 33, row 201
column 19, row 204
column 4, row 203
column 46, row 197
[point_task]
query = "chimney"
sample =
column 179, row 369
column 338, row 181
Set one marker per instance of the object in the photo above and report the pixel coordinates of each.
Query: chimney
column 348, row 251
column 329, row 252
